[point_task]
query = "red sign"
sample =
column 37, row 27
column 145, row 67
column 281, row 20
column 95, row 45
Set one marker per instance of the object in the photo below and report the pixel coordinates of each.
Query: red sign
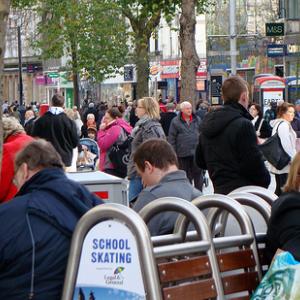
column 170, row 69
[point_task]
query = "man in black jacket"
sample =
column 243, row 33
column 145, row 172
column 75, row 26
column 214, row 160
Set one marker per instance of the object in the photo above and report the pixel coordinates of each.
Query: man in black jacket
column 55, row 127
column 228, row 144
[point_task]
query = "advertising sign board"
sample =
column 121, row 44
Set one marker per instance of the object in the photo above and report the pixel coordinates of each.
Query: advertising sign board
column 274, row 29
column 272, row 96
column 109, row 267
column 275, row 50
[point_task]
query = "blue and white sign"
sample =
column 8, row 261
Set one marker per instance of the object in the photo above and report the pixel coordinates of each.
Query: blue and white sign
column 109, row 267
column 275, row 50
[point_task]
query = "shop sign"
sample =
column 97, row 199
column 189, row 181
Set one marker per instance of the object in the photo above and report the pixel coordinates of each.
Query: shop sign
column 170, row 69
column 275, row 50
column 274, row 29
column 109, row 267
column 53, row 75
column 40, row 80
column 272, row 84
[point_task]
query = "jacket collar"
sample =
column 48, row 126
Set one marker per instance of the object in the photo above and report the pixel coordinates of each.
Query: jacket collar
column 244, row 112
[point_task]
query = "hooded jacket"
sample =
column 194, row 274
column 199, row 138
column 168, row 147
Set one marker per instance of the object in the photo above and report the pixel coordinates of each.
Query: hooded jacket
column 228, row 150
column 51, row 205
column 107, row 137
column 284, row 226
column 60, row 131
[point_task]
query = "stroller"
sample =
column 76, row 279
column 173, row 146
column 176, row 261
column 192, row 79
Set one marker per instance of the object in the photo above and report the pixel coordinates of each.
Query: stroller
column 88, row 156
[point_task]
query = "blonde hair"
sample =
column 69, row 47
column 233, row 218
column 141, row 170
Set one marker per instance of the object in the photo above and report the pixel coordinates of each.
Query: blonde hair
column 293, row 181
column 11, row 126
column 151, row 107
column 70, row 113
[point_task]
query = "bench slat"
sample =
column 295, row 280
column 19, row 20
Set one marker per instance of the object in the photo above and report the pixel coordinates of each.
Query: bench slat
column 240, row 282
column 184, row 269
column 196, row 290
column 236, row 260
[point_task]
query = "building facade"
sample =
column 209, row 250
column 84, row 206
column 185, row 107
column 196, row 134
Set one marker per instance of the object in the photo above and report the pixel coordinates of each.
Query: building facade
column 32, row 67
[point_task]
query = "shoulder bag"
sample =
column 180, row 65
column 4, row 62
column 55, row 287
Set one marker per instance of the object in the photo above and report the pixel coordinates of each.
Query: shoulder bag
column 274, row 152
column 119, row 154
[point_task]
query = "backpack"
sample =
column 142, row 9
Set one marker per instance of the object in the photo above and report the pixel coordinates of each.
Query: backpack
column 119, row 154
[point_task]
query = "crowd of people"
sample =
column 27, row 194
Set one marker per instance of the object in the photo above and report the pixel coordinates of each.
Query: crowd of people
column 169, row 147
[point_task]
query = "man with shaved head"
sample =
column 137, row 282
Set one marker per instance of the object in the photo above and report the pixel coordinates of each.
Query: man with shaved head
column 183, row 136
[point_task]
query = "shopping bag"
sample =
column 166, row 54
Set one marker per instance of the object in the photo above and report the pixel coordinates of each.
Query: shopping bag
column 282, row 281
column 274, row 153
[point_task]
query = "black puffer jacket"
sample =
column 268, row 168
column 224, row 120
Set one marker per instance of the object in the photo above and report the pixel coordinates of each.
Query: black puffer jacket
column 228, row 150
column 284, row 226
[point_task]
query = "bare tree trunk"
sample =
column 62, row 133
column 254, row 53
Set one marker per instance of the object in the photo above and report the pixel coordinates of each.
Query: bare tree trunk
column 142, row 66
column 190, row 61
column 4, row 11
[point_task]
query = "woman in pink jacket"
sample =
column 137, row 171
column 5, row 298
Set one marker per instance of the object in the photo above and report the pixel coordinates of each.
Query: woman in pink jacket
column 112, row 129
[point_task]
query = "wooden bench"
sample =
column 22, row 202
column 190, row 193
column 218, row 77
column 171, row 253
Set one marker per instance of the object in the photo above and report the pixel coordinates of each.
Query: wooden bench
column 237, row 255
column 188, row 272
column 187, row 269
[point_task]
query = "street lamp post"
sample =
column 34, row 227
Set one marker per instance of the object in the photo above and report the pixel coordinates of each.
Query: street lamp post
column 232, row 22
column 20, row 66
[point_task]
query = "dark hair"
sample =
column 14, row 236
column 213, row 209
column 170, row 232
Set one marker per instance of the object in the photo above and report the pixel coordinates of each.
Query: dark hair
column 39, row 154
column 114, row 112
column 58, row 100
column 258, row 108
column 157, row 152
column 232, row 88
column 283, row 108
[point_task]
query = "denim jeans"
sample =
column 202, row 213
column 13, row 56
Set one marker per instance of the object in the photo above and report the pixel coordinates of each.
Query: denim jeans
column 135, row 187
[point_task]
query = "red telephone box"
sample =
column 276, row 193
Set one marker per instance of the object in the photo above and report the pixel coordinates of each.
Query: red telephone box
column 269, row 89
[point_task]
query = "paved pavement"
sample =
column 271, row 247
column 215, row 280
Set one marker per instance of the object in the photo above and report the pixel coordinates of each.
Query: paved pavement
column 210, row 190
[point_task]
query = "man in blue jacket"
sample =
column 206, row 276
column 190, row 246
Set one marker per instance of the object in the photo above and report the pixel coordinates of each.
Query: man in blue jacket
column 37, row 225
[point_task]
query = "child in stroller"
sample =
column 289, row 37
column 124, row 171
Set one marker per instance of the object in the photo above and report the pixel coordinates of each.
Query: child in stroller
column 88, row 155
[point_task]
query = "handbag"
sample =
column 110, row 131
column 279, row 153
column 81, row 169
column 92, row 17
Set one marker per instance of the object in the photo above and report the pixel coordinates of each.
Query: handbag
column 282, row 281
column 273, row 151
column 119, row 154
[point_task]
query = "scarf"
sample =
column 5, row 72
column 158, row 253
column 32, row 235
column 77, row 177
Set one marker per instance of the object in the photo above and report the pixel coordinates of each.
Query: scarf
column 139, row 123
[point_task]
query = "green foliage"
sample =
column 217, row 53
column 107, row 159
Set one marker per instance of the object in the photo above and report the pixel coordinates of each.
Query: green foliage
column 90, row 33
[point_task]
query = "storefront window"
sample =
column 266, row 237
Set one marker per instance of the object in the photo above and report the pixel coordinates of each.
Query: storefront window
column 293, row 9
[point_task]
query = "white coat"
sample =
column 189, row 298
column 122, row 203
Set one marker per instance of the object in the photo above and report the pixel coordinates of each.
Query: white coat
column 288, row 141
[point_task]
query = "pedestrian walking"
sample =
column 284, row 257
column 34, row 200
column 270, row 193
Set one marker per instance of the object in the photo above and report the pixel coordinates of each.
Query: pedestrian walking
column 183, row 136
column 228, row 144
column 282, row 125
column 55, row 127
column 113, row 130
column 147, row 127
column 262, row 128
